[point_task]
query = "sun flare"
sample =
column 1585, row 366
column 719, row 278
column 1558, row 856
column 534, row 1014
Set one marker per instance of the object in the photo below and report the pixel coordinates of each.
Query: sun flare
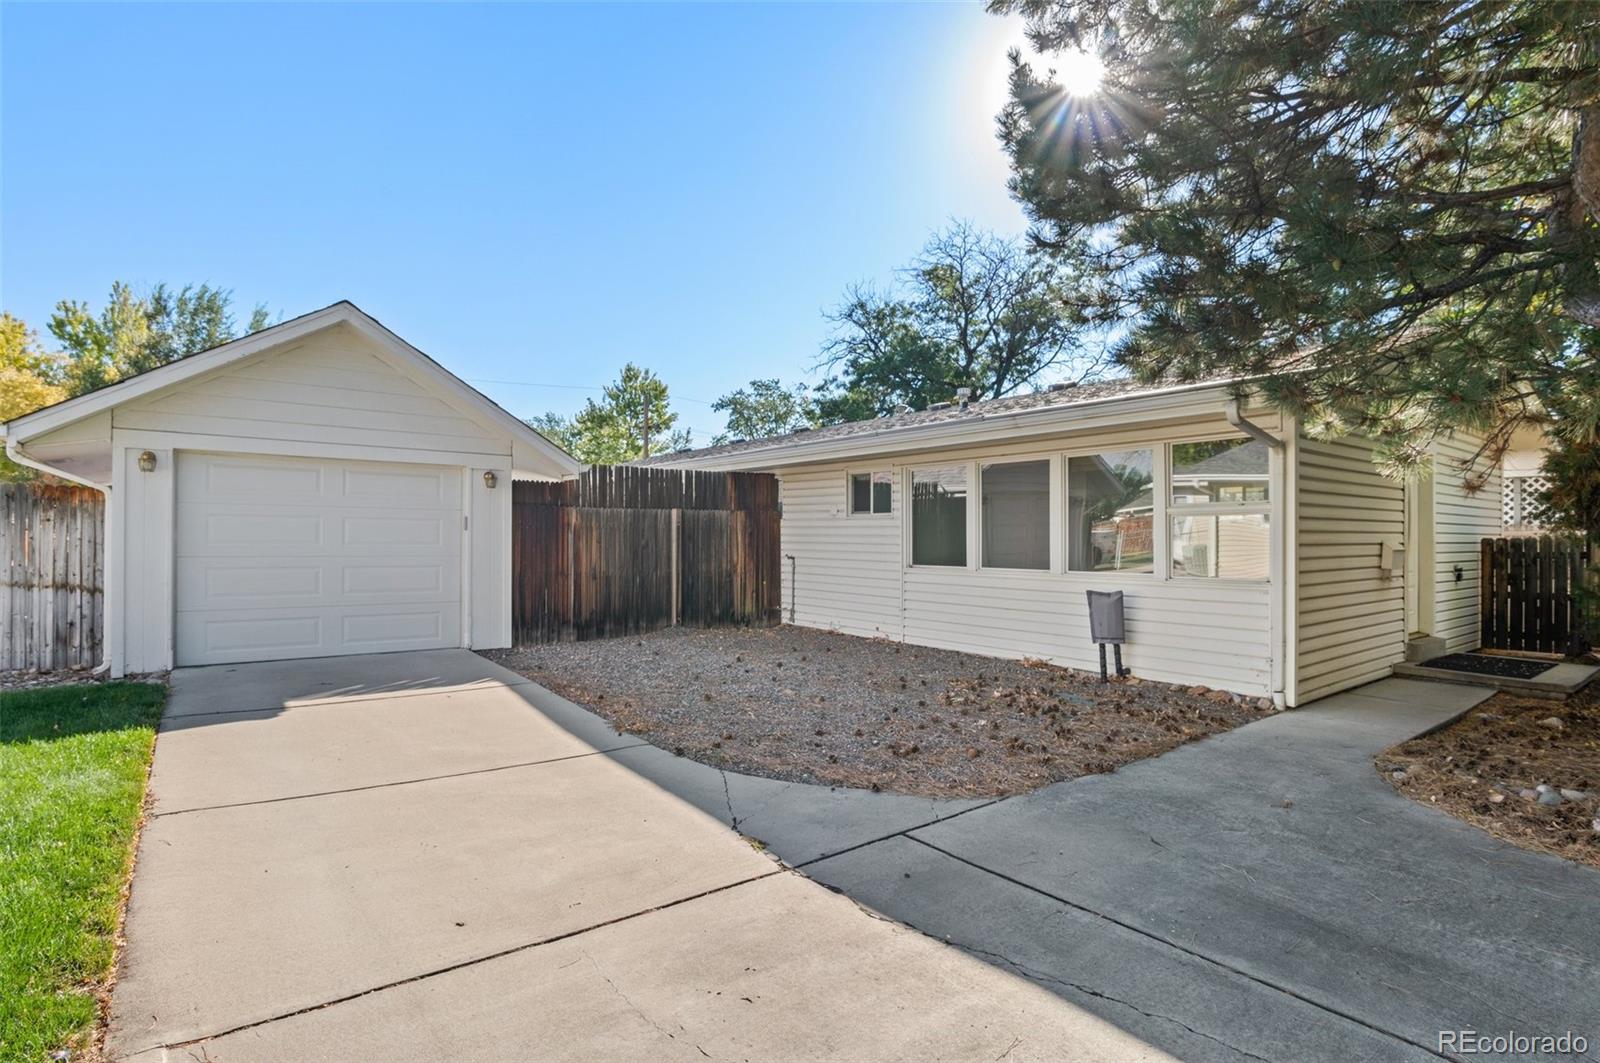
column 1078, row 72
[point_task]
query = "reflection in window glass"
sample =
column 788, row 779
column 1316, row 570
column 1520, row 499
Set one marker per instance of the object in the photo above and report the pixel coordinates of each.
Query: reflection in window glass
column 860, row 492
column 871, row 492
column 1016, row 515
column 1220, row 545
column 1110, row 512
column 1219, row 472
column 939, row 516
column 882, row 491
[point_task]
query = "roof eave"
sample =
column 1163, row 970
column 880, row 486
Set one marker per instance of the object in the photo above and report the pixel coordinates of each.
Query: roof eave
column 1169, row 403
column 19, row 430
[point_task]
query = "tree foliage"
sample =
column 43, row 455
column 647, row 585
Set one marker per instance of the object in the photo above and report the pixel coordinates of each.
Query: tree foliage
column 973, row 310
column 133, row 333
column 29, row 379
column 765, row 408
column 130, row 334
column 1386, row 210
column 632, row 420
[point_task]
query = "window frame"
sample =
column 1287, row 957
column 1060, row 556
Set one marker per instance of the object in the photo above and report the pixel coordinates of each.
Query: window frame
column 908, row 487
column 1054, row 557
column 849, row 493
column 1159, row 442
column 1220, row 509
column 1158, row 509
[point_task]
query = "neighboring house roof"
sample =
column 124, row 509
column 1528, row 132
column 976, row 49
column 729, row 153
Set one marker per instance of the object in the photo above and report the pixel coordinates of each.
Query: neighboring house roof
column 1248, row 461
column 880, row 432
column 467, row 398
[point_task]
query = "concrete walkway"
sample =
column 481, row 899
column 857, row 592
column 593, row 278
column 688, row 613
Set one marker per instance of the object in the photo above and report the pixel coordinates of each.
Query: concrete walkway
column 1262, row 894
column 423, row 856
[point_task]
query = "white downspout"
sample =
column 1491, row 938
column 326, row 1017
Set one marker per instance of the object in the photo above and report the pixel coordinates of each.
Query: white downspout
column 1230, row 410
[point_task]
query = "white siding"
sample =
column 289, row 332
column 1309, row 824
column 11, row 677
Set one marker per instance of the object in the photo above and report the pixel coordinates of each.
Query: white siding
column 1460, row 521
column 1179, row 631
column 845, row 572
column 1350, row 616
column 332, row 387
column 850, row 575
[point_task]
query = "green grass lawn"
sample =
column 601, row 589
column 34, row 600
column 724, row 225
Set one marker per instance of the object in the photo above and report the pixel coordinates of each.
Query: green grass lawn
column 72, row 772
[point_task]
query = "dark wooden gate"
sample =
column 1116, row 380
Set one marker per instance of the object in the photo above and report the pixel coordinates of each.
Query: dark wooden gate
column 624, row 549
column 1531, row 592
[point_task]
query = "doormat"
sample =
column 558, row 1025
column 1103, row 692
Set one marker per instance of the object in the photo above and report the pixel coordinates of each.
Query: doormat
column 1485, row 664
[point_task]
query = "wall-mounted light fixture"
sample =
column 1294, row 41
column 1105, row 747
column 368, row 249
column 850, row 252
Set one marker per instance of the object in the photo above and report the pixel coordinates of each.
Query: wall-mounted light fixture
column 147, row 461
column 490, row 479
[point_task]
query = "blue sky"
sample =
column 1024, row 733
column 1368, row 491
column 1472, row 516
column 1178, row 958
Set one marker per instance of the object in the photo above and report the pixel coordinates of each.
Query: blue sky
column 528, row 193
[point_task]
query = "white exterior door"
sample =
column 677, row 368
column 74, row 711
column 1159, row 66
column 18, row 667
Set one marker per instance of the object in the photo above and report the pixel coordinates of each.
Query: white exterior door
column 300, row 557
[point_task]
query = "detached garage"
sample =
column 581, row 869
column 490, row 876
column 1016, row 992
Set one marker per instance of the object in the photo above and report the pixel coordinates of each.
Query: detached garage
column 317, row 488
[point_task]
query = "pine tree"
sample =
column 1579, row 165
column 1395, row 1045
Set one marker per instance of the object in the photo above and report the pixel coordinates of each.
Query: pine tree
column 1387, row 210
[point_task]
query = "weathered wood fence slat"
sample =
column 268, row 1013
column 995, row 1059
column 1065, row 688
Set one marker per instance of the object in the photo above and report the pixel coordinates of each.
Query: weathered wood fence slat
column 53, row 606
column 1531, row 592
column 624, row 549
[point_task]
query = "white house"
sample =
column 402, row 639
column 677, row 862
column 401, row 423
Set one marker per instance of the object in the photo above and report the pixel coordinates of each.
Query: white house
column 320, row 487
column 1253, row 558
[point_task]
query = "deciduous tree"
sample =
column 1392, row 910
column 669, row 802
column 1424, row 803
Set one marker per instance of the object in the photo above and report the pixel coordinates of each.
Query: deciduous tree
column 29, row 379
column 765, row 408
column 973, row 310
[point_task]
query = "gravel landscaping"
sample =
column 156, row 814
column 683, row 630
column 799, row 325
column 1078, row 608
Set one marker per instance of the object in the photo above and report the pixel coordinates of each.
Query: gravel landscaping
column 813, row 706
column 1525, row 769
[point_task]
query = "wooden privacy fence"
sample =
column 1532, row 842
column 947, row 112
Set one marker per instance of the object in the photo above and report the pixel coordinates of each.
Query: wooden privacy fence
column 51, row 613
column 1531, row 592
column 624, row 549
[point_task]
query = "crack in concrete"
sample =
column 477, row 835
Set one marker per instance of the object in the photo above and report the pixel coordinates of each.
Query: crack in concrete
column 397, row 782
column 1042, row 976
column 314, row 702
column 1175, row 946
column 727, row 795
column 513, row 950
column 636, row 1009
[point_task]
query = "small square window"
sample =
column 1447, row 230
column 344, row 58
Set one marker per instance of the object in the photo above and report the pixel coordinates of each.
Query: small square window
column 871, row 492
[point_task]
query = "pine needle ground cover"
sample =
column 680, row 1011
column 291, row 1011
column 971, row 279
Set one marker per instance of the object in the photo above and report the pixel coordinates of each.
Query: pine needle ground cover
column 73, row 764
column 803, row 705
column 1525, row 769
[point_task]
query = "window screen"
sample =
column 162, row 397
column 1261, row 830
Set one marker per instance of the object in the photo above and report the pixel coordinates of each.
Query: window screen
column 1016, row 515
column 939, row 516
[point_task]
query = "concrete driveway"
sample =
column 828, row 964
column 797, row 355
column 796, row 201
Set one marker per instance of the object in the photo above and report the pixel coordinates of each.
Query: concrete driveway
column 423, row 856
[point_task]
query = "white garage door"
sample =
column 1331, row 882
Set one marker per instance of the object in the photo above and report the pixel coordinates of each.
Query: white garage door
column 297, row 557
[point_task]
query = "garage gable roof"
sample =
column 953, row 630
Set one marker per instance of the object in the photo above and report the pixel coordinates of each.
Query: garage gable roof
column 462, row 395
